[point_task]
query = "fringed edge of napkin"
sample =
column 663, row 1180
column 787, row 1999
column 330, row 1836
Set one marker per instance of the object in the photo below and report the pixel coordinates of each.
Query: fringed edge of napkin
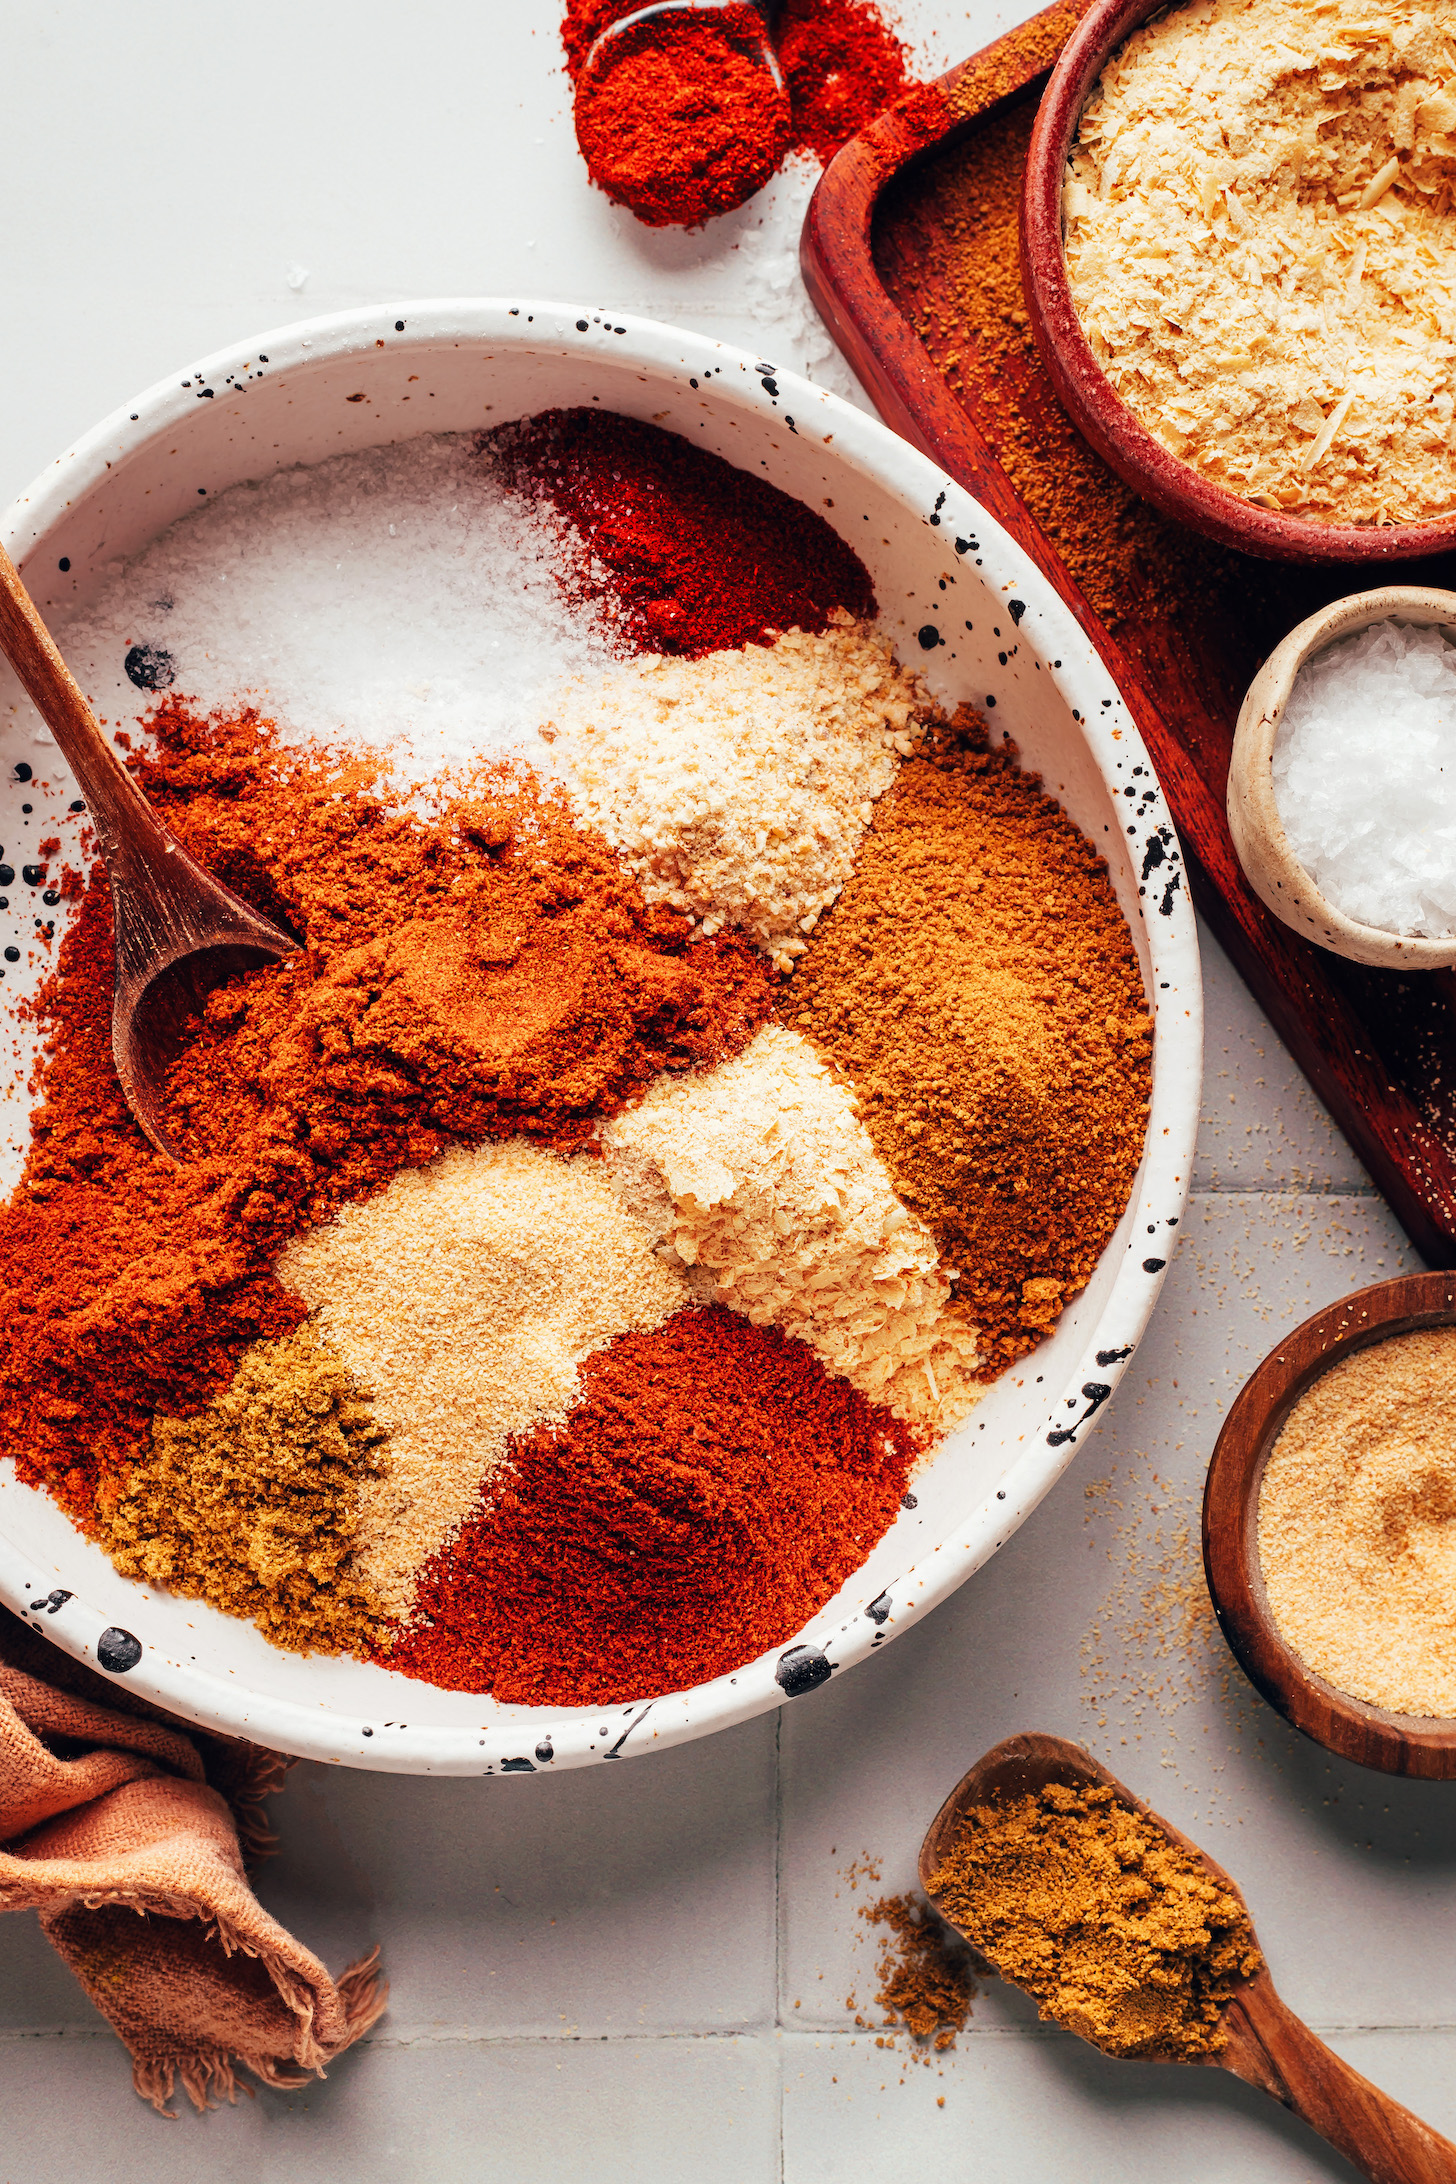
column 211, row 2074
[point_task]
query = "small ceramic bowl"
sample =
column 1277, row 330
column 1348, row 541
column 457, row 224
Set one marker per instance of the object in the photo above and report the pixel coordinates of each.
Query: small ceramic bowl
column 1404, row 1744
column 1270, row 865
column 1100, row 414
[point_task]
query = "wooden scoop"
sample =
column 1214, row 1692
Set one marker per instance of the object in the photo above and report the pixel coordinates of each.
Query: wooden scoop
column 179, row 933
column 1268, row 2046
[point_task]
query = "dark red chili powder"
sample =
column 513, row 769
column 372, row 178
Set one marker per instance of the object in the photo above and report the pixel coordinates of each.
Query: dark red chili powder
column 687, row 553
column 680, row 118
column 713, row 1490
column 842, row 62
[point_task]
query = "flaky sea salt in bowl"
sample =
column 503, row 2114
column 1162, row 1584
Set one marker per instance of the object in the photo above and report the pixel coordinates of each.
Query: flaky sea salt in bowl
column 956, row 598
column 1380, row 805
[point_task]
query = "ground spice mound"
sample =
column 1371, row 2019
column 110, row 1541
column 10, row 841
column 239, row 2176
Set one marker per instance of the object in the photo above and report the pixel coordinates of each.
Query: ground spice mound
column 842, row 63
column 1114, row 1930
column 679, row 118
column 254, row 1503
column 715, row 1487
column 1262, row 250
column 776, row 1201
column 737, row 787
column 684, row 552
column 925, row 1971
column 482, row 972
column 1357, row 1524
column 976, row 983
column 455, row 1295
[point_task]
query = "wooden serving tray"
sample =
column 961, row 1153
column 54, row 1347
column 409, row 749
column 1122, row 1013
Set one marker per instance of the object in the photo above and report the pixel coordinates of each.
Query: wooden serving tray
column 909, row 252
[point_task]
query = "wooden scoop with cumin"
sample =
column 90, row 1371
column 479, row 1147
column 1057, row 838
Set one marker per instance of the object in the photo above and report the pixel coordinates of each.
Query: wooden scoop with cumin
column 1123, row 1931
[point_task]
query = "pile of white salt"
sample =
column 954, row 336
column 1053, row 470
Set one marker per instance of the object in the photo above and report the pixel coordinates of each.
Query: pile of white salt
column 1365, row 777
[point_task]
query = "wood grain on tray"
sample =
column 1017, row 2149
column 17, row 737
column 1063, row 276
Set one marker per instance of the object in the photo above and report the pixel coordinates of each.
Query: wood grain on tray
column 910, row 253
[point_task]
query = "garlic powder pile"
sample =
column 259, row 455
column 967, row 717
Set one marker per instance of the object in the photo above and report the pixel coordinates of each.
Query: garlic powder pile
column 1261, row 246
column 779, row 1197
column 737, row 787
column 462, row 1299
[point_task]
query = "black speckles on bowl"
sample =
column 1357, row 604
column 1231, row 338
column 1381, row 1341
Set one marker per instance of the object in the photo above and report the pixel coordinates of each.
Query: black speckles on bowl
column 150, row 667
column 117, row 1650
column 801, row 1669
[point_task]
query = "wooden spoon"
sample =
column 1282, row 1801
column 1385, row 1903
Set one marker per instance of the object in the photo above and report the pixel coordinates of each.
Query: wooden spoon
column 1268, row 2046
column 179, row 933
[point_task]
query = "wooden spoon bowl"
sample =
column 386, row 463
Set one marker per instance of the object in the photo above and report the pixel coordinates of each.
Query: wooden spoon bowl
column 1267, row 2045
column 179, row 933
column 1099, row 412
column 1403, row 1744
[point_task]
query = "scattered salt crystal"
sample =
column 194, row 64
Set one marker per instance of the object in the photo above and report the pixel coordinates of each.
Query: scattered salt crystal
column 437, row 634
column 1365, row 777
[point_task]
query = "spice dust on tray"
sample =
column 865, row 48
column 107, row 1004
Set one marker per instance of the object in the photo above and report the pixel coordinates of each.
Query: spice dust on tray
column 644, row 1162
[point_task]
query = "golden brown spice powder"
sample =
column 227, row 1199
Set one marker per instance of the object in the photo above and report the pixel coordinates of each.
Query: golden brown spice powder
column 925, row 1973
column 1114, row 1930
column 976, row 983
column 252, row 1504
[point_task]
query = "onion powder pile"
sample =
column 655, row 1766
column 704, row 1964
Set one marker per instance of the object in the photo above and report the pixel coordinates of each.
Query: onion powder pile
column 1365, row 777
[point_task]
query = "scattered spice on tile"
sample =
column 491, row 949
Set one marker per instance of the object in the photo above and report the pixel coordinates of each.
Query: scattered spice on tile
column 737, row 786
column 780, row 1207
column 1357, row 1524
column 1114, row 1929
column 714, row 1488
column 254, row 1502
column 464, row 1296
column 925, row 1973
column 976, row 983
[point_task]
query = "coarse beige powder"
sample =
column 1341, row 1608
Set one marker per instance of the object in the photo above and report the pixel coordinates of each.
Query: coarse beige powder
column 738, row 787
column 1261, row 245
column 783, row 1210
column 1357, row 1524
column 462, row 1299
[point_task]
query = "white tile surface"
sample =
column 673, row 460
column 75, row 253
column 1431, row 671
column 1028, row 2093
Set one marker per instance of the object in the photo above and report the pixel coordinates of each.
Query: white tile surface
column 595, row 1977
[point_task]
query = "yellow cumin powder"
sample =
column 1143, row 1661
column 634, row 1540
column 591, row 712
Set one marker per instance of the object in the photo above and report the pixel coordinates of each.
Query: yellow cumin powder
column 1114, row 1929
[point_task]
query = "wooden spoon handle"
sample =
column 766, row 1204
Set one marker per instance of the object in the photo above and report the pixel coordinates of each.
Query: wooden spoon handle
column 1272, row 2048
column 115, row 803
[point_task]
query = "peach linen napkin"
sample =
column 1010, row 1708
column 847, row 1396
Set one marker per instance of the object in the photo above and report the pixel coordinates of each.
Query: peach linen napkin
column 128, row 1832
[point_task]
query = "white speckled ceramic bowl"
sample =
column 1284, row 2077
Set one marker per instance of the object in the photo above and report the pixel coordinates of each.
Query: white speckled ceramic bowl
column 965, row 604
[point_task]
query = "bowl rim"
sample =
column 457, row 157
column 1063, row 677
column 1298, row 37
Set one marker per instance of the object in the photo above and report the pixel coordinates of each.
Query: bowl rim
column 1281, row 882
column 1423, row 1746
column 743, row 384
column 1125, row 444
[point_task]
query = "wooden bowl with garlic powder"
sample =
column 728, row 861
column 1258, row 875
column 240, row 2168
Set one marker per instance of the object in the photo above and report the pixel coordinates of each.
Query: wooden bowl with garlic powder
column 1238, row 272
column 1257, row 1546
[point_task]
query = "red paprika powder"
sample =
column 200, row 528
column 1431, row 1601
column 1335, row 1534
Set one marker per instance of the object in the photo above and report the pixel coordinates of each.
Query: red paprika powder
column 688, row 554
column 842, row 64
column 679, row 118
column 712, row 1491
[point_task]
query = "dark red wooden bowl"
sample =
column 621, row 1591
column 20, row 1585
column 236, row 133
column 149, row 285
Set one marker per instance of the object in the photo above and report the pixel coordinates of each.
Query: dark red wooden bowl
column 1404, row 1744
column 1100, row 414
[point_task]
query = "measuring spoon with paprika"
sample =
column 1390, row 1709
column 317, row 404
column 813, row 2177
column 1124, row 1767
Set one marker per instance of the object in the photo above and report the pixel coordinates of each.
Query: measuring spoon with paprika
column 682, row 111
column 1262, row 2041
